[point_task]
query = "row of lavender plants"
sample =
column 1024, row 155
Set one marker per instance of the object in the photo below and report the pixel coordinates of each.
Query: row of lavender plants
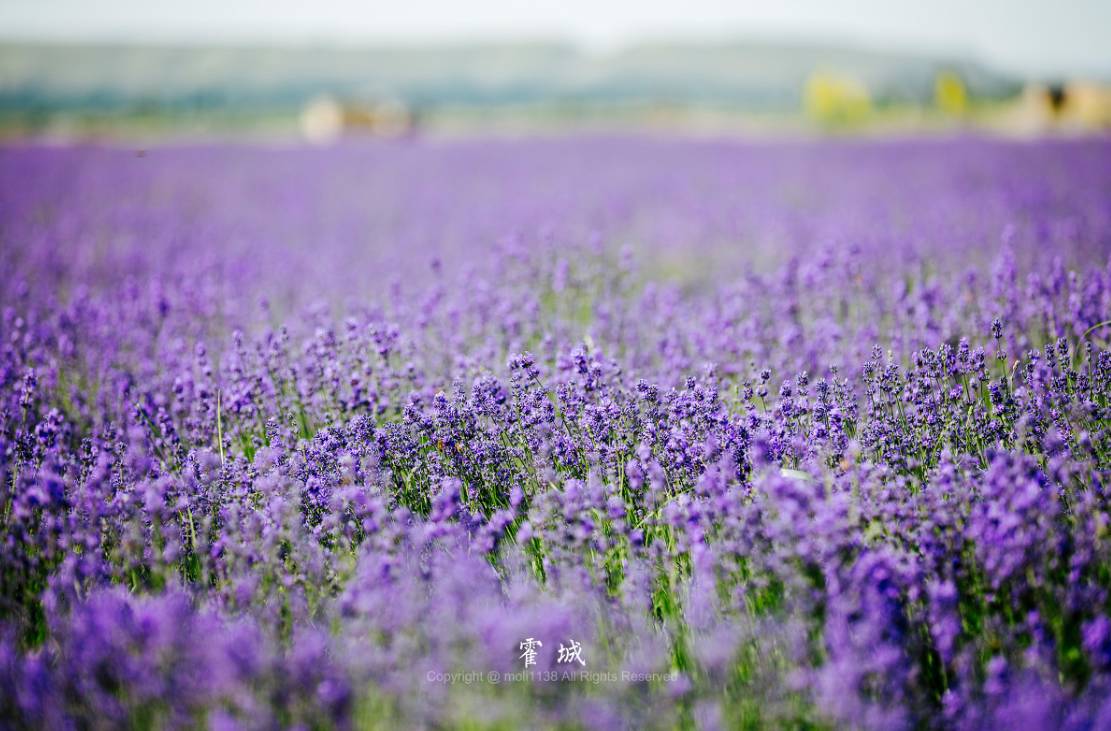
column 373, row 437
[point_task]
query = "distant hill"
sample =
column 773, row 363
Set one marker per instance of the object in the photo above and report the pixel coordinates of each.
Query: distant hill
column 750, row 76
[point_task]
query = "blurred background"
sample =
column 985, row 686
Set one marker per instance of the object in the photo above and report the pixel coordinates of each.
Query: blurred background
column 328, row 69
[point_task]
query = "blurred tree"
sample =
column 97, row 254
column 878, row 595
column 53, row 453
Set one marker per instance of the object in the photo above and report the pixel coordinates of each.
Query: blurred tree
column 835, row 100
column 950, row 94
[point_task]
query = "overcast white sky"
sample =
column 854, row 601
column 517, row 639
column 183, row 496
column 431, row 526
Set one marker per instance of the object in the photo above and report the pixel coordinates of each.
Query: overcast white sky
column 1040, row 37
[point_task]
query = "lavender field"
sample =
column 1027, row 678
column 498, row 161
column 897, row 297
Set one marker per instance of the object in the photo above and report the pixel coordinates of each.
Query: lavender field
column 572, row 433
